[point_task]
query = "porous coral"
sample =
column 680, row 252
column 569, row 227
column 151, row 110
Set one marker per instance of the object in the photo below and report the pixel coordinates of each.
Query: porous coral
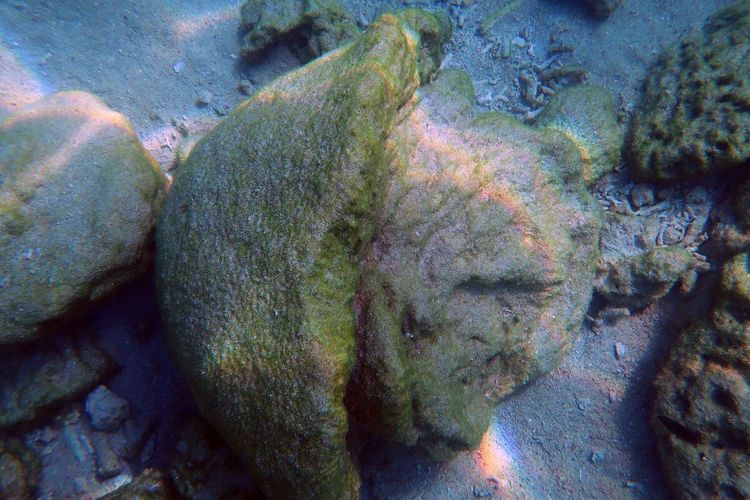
column 694, row 119
column 701, row 414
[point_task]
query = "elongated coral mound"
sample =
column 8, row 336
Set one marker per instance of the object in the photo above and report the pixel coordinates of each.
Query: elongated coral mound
column 258, row 250
column 695, row 116
column 702, row 410
column 478, row 275
column 78, row 201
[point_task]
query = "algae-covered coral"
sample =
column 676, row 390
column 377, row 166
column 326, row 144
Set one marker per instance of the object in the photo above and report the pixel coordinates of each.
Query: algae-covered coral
column 270, row 214
column 695, row 116
column 343, row 219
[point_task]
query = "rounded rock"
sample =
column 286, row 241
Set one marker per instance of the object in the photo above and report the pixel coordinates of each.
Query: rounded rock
column 79, row 197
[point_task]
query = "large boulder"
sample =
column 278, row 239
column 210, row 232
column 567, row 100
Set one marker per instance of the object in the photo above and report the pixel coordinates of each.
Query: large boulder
column 78, row 201
column 694, row 118
column 701, row 414
column 258, row 251
column 478, row 275
column 310, row 27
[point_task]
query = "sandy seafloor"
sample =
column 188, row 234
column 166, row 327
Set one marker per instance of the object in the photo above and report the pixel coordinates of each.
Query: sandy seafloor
column 152, row 59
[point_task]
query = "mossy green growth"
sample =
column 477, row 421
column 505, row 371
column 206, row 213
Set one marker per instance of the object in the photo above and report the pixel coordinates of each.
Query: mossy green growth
column 78, row 201
column 310, row 27
column 587, row 115
column 478, row 275
column 693, row 120
column 258, row 251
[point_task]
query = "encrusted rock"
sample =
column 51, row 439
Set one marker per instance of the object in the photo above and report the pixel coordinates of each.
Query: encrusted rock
column 310, row 27
column 78, row 201
column 644, row 278
column 257, row 260
column 20, row 470
column 694, row 117
column 106, row 409
column 485, row 228
column 32, row 382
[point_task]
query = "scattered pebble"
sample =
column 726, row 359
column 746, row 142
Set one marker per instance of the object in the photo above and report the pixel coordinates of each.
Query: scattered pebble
column 612, row 396
column 620, row 351
column 106, row 409
column 178, row 67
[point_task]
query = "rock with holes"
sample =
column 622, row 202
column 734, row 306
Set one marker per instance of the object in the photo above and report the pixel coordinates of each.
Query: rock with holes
column 309, row 27
column 701, row 415
column 478, row 275
column 641, row 279
column 258, row 250
column 78, row 201
column 694, row 119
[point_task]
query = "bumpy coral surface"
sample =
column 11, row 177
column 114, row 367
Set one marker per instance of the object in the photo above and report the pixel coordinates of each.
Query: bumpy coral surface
column 311, row 27
column 478, row 275
column 258, row 250
column 78, row 202
column 702, row 411
column 695, row 116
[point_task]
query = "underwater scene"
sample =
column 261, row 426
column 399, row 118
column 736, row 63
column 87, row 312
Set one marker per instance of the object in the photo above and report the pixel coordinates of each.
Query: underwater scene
column 399, row 249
